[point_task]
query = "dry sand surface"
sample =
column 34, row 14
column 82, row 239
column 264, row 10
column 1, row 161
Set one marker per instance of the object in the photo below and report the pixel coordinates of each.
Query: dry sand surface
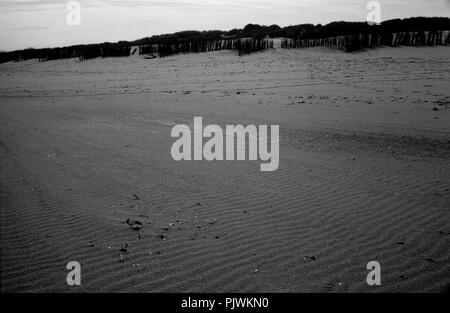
column 364, row 173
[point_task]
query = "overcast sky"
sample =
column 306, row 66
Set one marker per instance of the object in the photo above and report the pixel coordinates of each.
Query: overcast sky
column 42, row 23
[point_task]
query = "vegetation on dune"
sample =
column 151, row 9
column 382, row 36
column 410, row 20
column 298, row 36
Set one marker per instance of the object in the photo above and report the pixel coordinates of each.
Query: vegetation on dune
column 251, row 38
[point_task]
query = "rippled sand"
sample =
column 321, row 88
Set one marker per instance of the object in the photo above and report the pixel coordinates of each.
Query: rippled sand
column 364, row 173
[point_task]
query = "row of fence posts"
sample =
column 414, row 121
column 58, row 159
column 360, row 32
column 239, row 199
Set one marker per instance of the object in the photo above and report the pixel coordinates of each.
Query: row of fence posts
column 355, row 42
column 349, row 43
column 244, row 46
column 90, row 52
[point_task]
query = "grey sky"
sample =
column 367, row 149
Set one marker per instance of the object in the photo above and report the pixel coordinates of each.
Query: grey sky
column 42, row 23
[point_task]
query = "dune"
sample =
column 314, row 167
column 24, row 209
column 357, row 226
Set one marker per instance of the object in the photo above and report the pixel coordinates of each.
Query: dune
column 364, row 173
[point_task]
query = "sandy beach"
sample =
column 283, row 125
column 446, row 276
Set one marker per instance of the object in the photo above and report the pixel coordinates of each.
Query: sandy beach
column 364, row 173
